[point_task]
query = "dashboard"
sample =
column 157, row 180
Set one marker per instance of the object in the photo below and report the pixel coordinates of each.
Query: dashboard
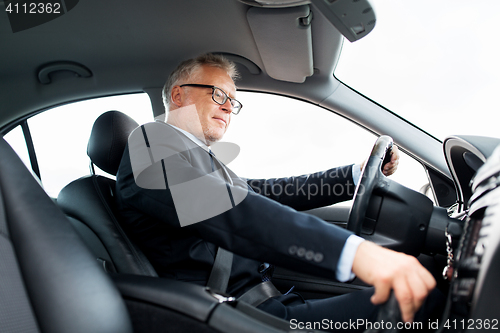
column 473, row 301
column 464, row 156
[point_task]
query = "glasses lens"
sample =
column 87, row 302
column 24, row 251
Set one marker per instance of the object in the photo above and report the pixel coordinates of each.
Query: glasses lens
column 219, row 96
column 236, row 106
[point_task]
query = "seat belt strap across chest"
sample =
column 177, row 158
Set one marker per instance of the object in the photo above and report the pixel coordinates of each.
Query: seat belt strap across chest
column 221, row 270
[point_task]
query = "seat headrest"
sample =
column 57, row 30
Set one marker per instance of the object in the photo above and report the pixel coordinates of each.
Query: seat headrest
column 108, row 140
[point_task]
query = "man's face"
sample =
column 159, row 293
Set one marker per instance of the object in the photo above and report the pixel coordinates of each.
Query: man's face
column 214, row 118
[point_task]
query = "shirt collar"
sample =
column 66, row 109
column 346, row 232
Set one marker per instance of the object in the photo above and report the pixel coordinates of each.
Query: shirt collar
column 191, row 137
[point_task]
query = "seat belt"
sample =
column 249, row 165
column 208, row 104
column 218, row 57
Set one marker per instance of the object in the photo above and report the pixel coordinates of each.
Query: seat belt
column 219, row 279
column 221, row 270
column 260, row 293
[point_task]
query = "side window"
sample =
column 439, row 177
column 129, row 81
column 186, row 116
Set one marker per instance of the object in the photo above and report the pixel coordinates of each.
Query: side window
column 16, row 140
column 60, row 136
column 280, row 137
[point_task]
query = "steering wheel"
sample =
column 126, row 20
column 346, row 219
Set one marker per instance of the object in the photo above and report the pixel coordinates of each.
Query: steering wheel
column 371, row 178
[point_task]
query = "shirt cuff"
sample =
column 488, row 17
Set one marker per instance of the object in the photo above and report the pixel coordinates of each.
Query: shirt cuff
column 356, row 173
column 344, row 267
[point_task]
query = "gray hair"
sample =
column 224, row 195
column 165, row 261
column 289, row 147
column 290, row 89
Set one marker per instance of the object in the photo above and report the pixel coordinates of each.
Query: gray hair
column 187, row 69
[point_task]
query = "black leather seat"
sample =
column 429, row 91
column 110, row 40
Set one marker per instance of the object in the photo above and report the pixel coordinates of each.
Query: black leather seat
column 49, row 281
column 89, row 204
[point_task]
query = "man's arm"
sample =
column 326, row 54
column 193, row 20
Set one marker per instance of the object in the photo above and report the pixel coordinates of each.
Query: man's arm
column 308, row 191
column 388, row 270
column 318, row 189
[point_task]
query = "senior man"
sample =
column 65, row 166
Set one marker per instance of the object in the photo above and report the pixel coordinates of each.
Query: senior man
column 199, row 222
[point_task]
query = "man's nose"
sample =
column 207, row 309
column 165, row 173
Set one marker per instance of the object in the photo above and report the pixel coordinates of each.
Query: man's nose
column 227, row 107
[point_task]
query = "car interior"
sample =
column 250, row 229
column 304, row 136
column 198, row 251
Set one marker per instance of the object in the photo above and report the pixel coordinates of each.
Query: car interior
column 68, row 264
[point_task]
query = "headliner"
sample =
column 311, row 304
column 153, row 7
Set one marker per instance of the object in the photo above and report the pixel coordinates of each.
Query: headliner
column 131, row 46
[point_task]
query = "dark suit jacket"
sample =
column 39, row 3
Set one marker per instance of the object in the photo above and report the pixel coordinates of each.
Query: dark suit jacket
column 164, row 212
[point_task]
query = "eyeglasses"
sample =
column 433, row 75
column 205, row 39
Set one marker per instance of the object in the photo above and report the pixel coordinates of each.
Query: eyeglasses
column 219, row 96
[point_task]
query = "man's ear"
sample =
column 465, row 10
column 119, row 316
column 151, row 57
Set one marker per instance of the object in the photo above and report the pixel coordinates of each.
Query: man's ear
column 176, row 96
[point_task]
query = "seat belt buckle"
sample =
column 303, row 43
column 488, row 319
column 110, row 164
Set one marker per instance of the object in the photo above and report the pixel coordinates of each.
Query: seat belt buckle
column 266, row 270
column 220, row 297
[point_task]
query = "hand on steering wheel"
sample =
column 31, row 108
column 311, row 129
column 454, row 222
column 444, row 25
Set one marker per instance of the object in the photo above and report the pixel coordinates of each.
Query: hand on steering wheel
column 372, row 177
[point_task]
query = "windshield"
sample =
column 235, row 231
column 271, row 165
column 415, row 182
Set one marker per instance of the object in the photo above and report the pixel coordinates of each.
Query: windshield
column 435, row 63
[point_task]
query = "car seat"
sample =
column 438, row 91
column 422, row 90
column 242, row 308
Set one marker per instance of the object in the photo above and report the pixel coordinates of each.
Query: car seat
column 49, row 281
column 89, row 201
column 155, row 304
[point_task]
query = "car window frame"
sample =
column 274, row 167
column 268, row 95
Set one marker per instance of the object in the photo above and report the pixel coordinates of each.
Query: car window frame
column 33, row 164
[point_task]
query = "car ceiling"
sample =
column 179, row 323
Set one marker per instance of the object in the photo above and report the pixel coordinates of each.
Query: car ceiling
column 132, row 46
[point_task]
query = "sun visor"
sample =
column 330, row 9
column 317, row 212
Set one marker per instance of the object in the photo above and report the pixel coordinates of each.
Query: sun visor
column 283, row 37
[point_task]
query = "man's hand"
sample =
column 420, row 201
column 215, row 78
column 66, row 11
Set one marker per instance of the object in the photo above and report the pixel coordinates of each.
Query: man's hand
column 390, row 167
column 388, row 270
